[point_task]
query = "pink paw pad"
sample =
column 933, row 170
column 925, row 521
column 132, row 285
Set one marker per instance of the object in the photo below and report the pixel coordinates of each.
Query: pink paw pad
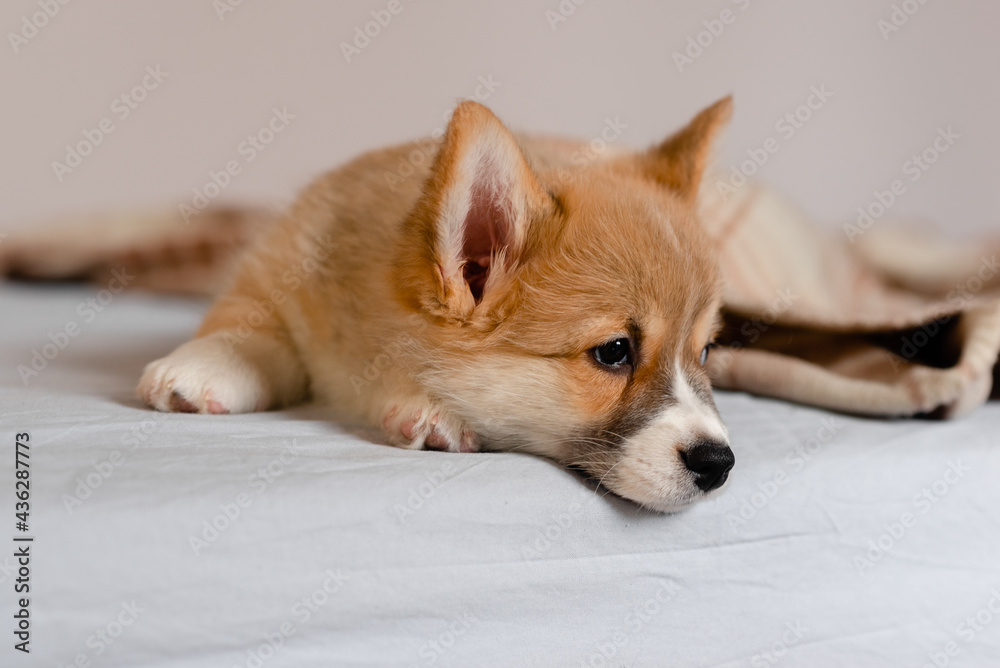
column 388, row 417
column 214, row 407
column 469, row 442
column 409, row 427
column 436, row 441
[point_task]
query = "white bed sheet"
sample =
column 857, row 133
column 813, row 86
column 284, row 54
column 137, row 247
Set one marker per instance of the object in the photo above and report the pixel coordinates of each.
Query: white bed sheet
column 470, row 559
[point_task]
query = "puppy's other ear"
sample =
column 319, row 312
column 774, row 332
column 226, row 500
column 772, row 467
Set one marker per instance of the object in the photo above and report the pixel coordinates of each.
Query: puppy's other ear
column 471, row 224
column 679, row 162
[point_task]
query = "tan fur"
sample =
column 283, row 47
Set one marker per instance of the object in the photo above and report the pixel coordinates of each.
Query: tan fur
column 366, row 297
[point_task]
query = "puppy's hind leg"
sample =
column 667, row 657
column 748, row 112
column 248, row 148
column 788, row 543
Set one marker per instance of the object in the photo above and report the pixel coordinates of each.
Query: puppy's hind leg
column 240, row 361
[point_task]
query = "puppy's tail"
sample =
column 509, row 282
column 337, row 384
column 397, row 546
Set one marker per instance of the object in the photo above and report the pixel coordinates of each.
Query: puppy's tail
column 154, row 250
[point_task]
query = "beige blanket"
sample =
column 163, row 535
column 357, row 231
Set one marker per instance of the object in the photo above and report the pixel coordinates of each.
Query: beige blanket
column 873, row 321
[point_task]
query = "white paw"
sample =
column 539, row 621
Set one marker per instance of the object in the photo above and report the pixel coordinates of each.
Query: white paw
column 416, row 425
column 204, row 376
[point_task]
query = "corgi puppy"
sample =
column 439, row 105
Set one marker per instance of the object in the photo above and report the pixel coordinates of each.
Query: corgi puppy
column 503, row 297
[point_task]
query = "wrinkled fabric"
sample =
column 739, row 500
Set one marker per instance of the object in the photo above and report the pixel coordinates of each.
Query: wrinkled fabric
column 871, row 319
column 283, row 540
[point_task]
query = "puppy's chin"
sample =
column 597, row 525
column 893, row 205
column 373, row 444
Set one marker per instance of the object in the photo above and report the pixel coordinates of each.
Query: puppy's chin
column 671, row 503
column 667, row 495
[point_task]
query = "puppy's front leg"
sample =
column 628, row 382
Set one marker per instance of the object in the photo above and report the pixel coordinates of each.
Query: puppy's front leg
column 231, row 367
column 417, row 422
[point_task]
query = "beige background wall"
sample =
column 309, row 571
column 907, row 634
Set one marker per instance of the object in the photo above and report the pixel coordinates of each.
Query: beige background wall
column 607, row 59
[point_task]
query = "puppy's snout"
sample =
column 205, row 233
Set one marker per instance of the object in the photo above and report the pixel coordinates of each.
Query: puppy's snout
column 710, row 462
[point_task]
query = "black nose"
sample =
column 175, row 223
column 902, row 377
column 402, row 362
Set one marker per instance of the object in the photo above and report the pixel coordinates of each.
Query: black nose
column 710, row 461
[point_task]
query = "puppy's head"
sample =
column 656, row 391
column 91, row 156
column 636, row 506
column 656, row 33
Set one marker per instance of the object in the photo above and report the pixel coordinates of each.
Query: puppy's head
column 572, row 307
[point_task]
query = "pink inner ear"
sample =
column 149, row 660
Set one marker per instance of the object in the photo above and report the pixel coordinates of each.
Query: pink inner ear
column 486, row 231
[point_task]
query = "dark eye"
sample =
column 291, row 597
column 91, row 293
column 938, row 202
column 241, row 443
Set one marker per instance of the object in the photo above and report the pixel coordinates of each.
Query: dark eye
column 613, row 353
column 704, row 353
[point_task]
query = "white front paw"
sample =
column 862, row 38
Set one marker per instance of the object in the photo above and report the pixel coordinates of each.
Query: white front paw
column 419, row 425
column 204, row 376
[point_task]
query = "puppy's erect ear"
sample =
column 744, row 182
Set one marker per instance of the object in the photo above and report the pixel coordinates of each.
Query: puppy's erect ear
column 471, row 224
column 679, row 162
